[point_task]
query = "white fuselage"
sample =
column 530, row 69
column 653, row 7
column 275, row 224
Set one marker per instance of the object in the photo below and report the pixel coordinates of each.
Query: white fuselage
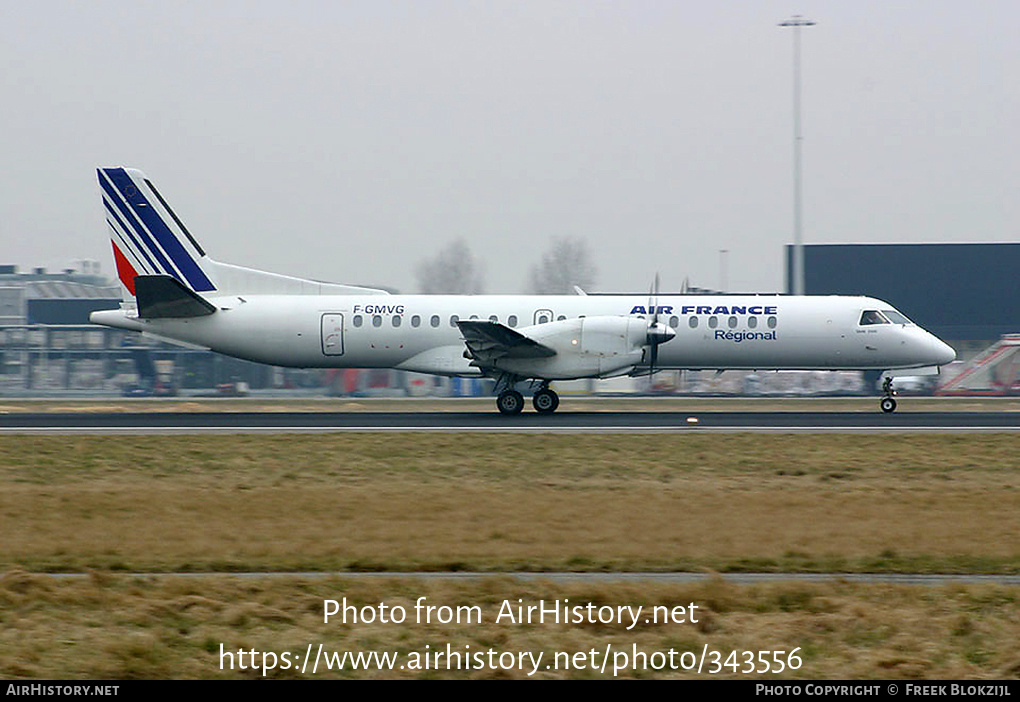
column 176, row 291
column 419, row 332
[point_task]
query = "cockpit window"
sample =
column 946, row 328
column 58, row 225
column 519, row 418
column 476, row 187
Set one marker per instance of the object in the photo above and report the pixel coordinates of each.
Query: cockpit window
column 872, row 317
column 896, row 317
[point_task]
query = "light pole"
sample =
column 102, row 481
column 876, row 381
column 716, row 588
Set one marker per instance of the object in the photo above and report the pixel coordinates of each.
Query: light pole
column 798, row 243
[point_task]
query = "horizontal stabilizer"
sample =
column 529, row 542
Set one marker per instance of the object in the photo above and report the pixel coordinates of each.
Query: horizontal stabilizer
column 161, row 297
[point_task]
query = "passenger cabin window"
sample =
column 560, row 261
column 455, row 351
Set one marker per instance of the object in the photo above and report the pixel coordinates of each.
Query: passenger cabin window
column 435, row 320
column 713, row 322
column 396, row 320
column 692, row 322
column 377, row 321
column 493, row 318
column 771, row 322
column 453, row 320
column 752, row 322
column 674, row 322
column 872, row 317
column 357, row 320
column 512, row 320
column 415, row 321
column 542, row 319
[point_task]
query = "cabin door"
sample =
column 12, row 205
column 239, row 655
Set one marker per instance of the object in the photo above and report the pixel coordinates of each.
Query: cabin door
column 333, row 334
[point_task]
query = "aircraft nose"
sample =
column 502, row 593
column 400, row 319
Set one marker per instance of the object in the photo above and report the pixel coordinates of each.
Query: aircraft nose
column 942, row 352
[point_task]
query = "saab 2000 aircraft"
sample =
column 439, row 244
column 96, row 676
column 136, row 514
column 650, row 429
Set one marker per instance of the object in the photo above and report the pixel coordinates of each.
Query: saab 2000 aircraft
column 178, row 293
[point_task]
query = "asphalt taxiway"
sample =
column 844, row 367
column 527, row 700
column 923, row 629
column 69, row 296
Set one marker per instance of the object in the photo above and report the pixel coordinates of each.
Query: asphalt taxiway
column 577, row 422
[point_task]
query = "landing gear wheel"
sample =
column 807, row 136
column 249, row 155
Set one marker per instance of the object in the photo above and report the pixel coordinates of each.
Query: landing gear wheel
column 510, row 402
column 888, row 403
column 545, row 401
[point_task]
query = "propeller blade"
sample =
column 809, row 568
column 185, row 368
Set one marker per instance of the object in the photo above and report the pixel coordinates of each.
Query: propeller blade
column 657, row 332
column 656, row 335
column 653, row 300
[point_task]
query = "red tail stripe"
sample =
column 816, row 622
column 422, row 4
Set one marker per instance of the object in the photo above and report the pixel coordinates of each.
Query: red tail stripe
column 125, row 271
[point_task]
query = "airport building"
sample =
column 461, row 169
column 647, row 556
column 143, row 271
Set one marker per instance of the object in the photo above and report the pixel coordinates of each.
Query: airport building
column 48, row 346
column 966, row 294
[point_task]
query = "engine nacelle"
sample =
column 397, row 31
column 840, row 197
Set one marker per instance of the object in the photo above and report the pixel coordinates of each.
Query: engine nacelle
column 586, row 347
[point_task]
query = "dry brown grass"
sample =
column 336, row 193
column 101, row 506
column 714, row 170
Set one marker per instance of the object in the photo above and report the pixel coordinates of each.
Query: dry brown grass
column 120, row 627
column 511, row 502
column 504, row 502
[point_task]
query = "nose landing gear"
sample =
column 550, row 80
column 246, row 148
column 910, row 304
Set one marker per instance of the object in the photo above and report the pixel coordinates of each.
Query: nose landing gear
column 888, row 403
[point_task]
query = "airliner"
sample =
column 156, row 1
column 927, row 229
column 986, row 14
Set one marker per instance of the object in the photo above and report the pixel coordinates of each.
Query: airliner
column 174, row 291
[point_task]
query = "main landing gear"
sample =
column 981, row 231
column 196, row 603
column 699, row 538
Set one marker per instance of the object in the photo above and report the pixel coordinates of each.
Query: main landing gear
column 544, row 400
column 510, row 402
column 888, row 403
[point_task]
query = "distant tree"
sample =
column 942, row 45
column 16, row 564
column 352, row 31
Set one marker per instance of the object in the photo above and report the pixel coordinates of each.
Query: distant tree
column 453, row 271
column 567, row 263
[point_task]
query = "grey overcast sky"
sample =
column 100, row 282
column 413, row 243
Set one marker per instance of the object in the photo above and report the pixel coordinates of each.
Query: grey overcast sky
column 347, row 141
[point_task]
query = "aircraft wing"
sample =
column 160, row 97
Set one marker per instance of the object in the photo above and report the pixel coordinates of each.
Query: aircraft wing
column 488, row 341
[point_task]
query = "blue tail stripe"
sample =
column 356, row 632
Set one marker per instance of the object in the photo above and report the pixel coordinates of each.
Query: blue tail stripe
column 164, row 265
column 124, row 247
column 127, row 230
column 166, row 238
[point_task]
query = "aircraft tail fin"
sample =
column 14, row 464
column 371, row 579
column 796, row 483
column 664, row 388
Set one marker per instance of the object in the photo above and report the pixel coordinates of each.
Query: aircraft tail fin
column 147, row 236
column 149, row 239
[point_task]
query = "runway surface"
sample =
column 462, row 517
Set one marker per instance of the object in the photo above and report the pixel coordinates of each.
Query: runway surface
column 576, row 422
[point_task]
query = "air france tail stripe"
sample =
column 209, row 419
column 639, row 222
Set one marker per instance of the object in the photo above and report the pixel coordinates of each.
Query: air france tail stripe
column 136, row 246
column 166, row 238
column 124, row 246
column 125, row 271
column 180, row 224
column 129, row 221
column 136, row 249
column 164, row 265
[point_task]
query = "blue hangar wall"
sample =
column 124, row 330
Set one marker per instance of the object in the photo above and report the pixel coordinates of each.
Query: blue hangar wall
column 959, row 292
